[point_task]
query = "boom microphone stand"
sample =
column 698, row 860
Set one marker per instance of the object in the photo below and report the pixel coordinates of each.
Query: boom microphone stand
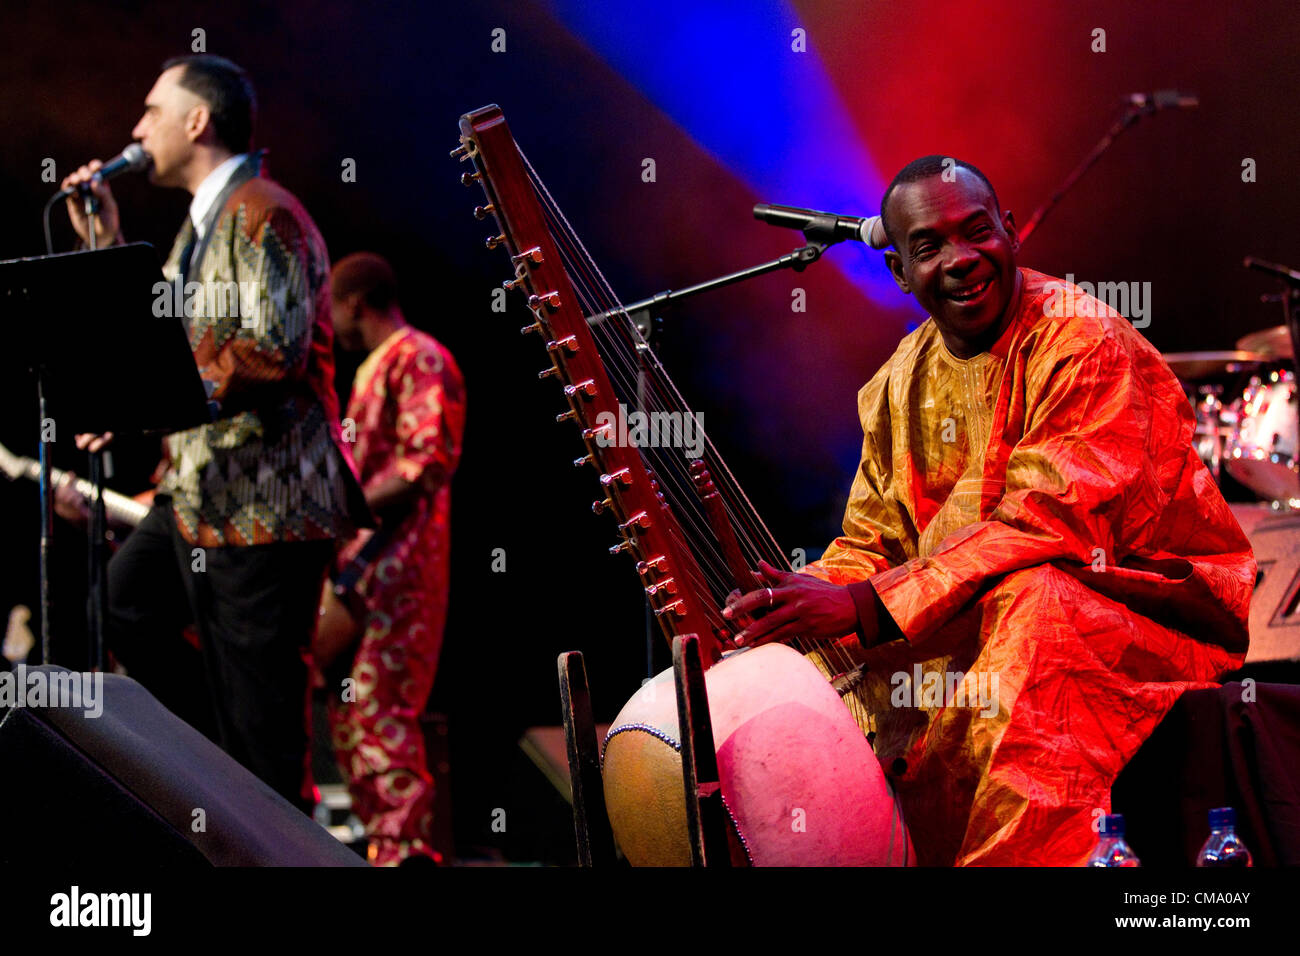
column 1139, row 105
column 645, row 316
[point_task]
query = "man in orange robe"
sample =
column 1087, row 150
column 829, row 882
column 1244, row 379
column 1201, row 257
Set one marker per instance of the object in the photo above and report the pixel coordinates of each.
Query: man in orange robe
column 1033, row 556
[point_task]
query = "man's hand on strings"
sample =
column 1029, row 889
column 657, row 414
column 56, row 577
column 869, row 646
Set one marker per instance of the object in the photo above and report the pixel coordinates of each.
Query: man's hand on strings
column 797, row 606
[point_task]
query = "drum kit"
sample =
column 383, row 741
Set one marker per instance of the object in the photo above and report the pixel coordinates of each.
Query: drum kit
column 1247, row 416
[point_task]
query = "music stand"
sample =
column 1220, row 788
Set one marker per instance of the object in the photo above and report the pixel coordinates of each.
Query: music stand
column 75, row 319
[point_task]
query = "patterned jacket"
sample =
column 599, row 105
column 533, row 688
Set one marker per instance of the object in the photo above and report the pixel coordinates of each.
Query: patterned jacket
column 273, row 466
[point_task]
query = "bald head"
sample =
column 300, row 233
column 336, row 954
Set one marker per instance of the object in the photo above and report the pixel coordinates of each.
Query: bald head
column 922, row 168
column 368, row 275
column 364, row 292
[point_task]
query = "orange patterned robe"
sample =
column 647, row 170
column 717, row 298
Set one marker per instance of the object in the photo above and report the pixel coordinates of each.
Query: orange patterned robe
column 408, row 408
column 1059, row 561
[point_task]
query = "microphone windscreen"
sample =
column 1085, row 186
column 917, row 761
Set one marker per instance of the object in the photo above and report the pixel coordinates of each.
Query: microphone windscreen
column 873, row 233
column 136, row 158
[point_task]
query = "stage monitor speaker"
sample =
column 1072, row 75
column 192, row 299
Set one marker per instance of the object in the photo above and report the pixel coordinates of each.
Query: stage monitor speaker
column 134, row 783
column 1274, row 621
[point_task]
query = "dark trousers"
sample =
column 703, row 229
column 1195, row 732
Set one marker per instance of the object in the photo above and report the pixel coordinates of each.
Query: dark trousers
column 254, row 608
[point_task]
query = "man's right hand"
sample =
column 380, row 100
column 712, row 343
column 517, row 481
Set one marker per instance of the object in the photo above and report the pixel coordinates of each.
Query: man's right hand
column 88, row 441
column 107, row 224
column 68, row 503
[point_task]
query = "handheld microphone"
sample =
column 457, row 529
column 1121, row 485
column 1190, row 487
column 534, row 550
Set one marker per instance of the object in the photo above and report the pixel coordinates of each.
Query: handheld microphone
column 132, row 159
column 825, row 225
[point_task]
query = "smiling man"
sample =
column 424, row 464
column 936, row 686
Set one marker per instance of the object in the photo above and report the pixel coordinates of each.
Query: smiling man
column 1029, row 514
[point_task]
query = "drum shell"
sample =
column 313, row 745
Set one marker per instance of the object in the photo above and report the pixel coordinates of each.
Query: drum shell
column 1262, row 448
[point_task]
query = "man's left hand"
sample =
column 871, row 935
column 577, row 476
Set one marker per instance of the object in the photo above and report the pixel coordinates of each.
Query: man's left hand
column 801, row 606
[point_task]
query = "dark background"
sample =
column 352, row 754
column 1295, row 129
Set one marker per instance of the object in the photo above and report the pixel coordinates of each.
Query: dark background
column 1011, row 86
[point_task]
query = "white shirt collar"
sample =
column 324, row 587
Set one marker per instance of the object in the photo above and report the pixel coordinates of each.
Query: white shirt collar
column 210, row 189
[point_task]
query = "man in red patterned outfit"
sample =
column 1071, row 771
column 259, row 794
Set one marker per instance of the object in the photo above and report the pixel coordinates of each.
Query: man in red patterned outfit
column 408, row 412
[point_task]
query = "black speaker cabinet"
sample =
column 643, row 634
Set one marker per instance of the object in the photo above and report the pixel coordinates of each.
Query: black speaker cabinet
column 120, row 778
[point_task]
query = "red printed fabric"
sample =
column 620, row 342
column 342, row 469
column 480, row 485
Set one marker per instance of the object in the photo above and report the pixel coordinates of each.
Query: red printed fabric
column 1061, row 565
column 408, row 411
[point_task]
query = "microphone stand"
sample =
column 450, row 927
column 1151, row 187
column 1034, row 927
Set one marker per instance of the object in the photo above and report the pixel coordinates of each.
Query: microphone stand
column 1133, row 113
column 640, row 312
column 648, row 322
column 97, row 552
column 47, row 514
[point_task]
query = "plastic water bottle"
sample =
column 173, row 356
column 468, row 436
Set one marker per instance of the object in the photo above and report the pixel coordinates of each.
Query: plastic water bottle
column 1224, row 847
column 1111, row 850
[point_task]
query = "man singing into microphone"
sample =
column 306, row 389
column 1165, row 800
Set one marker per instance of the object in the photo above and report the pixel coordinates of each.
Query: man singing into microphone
column 1034, row 558
column 248, row 507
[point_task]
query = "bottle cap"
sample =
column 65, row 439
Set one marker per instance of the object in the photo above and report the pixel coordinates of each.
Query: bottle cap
column 1112, row 825
column 1223, row 817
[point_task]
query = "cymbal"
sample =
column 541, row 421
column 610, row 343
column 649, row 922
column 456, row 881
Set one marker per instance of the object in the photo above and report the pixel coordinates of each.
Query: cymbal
column 1274, row 342
column 1194, row 366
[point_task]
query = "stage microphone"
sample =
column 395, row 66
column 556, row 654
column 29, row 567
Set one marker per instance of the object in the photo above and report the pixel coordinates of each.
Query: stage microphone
column 1272, row 268
column 825, row 225
column 132, row 159
column 1163, row 100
